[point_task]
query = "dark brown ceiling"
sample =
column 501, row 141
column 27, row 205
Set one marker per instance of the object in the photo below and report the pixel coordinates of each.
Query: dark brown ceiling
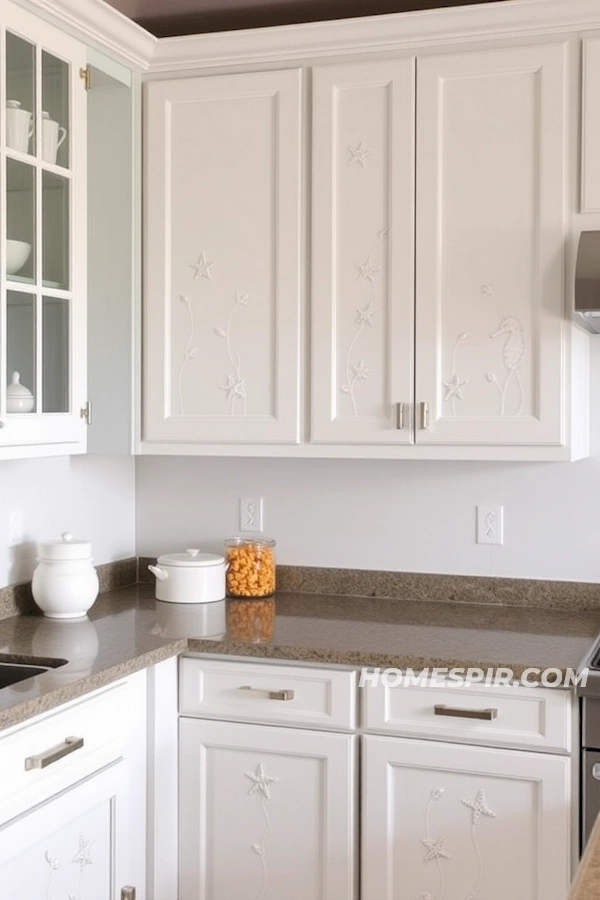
column 166, row 18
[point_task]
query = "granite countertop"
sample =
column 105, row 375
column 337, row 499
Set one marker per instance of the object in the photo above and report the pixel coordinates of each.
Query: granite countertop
column 586, row 885
column 128, row 630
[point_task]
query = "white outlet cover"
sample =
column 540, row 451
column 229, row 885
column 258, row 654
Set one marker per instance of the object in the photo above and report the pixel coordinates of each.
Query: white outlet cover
column 251, row 514
column 490, row 523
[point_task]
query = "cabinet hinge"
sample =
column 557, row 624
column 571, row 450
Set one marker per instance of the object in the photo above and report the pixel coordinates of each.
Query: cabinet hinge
column 85, row 73
column 86, row 412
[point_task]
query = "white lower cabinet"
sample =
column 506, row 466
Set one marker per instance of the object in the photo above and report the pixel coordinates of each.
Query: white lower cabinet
column 75, row 847
column 451, row 822
column 265, row 813
column 74, row 826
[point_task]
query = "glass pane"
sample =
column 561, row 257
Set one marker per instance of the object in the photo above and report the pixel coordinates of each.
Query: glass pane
column 55, row 354
column 20, row 94
column 20, row 351
column 20, row 221
column 55, row 231
column 55, row 110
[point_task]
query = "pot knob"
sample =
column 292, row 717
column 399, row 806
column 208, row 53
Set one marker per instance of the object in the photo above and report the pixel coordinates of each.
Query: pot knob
column 192, row 552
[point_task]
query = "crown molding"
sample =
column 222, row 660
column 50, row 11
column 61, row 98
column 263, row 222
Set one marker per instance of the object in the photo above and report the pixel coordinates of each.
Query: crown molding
column 96, row 23
column 375, row 34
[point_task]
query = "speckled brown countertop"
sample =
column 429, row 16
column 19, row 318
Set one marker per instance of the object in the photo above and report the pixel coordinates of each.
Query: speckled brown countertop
column 586, row 885
column 127, row 631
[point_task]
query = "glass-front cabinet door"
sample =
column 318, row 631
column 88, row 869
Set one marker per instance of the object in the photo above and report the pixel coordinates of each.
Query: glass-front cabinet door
column 43, row 239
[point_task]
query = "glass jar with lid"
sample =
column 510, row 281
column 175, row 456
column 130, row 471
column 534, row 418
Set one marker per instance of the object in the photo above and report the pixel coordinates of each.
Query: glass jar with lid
column 251, row 566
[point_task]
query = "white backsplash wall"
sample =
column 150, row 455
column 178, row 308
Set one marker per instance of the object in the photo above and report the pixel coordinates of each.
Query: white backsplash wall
column 368, row 514
column 93, row 497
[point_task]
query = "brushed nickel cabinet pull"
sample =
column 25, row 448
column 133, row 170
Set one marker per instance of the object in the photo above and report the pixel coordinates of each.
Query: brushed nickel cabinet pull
column 128, row 892
column 440, row 709
column 248, row 691
column 424, row 415
column 69, row 745
column 399, row 416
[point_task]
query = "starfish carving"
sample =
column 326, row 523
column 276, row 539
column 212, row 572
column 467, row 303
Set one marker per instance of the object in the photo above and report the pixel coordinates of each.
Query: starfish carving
column 82, row 857
column 234, row 387
column 453, row 387
column 435, row 850
column 479, row 808
column 359, row 155
column 260, row 782
column 367, row 270
column 202, row 267
column 365, row 315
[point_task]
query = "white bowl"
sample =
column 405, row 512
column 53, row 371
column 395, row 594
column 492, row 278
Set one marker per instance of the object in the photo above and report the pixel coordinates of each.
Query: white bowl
column 17, row 254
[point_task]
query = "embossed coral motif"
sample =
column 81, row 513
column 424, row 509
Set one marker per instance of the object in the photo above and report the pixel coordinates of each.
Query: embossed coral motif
column 189, row 351
column 478, row 808
column 235, row 386
column 359, row 370
column 261, row 785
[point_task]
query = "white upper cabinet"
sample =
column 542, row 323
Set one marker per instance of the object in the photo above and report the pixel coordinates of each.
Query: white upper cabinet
column 490, row 235
column 43, row 249
column 222, row 273
column 362, row 252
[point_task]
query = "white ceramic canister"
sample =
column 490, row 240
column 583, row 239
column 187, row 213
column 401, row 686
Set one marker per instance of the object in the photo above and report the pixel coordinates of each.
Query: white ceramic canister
column 190, row 577
column 65, row 583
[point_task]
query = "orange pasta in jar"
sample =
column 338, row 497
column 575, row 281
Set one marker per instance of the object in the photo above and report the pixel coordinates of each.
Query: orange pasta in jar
column 251, row 567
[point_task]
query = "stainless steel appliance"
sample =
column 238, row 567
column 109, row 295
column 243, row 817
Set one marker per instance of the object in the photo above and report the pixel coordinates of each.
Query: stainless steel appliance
column 590, row 748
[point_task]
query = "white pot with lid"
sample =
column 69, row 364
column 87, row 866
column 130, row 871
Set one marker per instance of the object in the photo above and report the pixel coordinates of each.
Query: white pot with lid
column 65, row 583
column 190, row 577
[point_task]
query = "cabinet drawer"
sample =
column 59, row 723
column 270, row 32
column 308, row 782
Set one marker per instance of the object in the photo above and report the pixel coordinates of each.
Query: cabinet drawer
column 288, row 695
column 517, row 717
column 37, row 761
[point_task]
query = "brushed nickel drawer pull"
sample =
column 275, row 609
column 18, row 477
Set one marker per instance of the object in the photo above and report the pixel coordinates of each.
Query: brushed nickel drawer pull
column 400, row 416
column 248, row 691
column 69, row 745
column 424, row 415
column 440, row 709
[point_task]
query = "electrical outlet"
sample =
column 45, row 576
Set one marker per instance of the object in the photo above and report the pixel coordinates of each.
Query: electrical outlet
column 16, row 529
column 251, row 514
column 490, row 524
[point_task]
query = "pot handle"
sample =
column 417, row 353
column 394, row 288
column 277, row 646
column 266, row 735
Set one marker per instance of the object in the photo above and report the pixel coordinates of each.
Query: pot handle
column 159, row 573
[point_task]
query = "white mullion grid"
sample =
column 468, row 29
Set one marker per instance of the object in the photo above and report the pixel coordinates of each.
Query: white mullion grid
column 38, row 230
column 3, row 299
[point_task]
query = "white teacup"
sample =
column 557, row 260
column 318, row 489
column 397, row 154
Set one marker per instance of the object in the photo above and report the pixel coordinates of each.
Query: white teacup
column 19, row 126
column 53, row 135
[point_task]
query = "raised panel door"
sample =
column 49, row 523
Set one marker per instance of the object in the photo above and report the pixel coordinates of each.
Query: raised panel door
column 222, row 282
column 363, row 253
column 490, row 342
column 265, row 813
column 452, row 822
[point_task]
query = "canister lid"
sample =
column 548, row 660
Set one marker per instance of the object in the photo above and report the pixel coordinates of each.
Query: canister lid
column 66, row 548
column 191, row 557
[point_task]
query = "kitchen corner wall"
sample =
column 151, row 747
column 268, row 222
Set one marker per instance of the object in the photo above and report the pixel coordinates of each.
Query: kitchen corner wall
column 376, row 514
column 91, row 496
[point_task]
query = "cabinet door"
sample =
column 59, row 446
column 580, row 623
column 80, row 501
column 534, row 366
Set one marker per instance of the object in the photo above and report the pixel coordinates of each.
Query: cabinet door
column 362, row 248
column 43, row 223
column 80, row 845
column 222, row 287
column 490, row 235
column 265, row 813
column 451, row 821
